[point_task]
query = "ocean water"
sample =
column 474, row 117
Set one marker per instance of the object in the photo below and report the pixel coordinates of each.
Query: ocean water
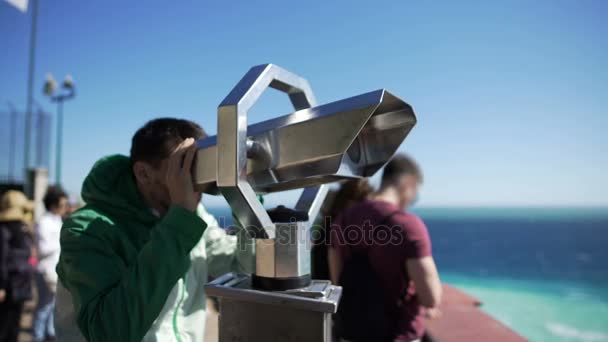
column 541, row 271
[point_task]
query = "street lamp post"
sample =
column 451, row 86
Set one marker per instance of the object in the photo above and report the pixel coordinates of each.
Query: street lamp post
column 69, row 91
column 12, row 143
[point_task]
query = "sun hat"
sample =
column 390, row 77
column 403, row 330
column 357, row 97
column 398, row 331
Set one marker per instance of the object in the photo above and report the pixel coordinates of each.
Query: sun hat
column 14, row 206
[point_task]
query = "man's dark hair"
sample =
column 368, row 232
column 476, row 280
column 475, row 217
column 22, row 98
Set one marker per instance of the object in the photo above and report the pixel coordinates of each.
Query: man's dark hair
column 52, row 197
column 400, row 165
column 155, row 140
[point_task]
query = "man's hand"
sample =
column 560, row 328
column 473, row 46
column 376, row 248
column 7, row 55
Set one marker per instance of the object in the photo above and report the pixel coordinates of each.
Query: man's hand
column 423, row 273
column 432, row 313
column 2, row 295
column 179, row 178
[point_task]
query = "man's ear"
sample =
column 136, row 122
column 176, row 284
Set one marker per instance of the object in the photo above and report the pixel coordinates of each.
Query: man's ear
column 141, row 172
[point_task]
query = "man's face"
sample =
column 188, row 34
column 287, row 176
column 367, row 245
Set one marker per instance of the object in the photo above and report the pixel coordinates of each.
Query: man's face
column 152, row 181
column 62, row 207
column 157, row 189
column 408, row 190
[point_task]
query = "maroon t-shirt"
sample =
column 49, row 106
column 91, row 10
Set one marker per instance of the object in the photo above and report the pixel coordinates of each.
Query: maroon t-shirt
column 390, row 236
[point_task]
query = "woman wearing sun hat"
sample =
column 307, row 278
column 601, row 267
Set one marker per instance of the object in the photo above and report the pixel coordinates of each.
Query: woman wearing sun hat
column 15, row 269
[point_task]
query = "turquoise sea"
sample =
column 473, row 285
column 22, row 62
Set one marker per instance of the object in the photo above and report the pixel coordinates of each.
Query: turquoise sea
column 541, row 271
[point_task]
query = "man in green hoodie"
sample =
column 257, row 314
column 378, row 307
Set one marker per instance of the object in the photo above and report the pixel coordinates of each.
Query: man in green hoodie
column 134, row 260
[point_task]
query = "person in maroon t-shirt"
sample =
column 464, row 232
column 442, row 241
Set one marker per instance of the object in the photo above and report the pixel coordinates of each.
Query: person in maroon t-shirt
column 401, row 259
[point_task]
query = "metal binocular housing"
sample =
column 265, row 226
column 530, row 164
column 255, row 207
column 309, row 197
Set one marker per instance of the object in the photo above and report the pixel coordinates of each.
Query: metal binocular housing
column 313, row 146
column 308, row 148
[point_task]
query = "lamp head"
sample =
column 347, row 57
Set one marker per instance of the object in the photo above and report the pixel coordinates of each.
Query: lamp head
column 50, row 85
column 68, row 82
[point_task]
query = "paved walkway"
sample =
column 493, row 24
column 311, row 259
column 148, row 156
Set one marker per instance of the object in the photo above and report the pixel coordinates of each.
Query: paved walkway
column 463, row 321
column 27, row 319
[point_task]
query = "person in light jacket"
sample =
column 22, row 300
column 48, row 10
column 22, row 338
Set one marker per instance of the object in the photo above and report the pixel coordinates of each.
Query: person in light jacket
column 47, row 230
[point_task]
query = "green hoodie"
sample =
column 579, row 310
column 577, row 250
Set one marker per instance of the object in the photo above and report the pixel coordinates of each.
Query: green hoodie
column 118, row 260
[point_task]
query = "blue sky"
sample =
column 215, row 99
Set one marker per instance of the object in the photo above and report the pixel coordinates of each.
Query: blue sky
column 511, row 96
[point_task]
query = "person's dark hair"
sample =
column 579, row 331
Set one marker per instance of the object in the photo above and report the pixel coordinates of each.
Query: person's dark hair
column 400, row 165
column 52, row 197
column 153, row 142
column 350, row 192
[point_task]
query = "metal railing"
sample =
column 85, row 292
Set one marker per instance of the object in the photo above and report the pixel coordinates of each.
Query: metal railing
column 12, row 143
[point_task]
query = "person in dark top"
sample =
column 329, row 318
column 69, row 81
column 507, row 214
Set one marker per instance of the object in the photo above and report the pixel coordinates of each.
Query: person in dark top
column 15, row 270
column 350, row 192
column 400, row 256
